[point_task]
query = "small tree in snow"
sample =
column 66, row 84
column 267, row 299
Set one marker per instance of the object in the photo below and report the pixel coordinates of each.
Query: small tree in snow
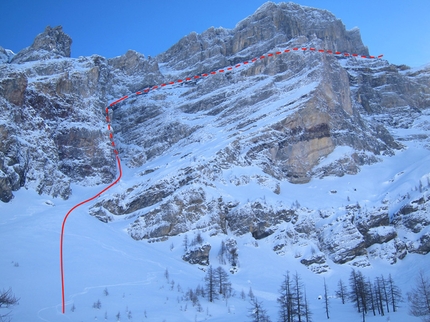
column 419, row 298
column 379, row 295
column 250, row 293
column 307, row 314
column 97, row 305
column 233, row 256
column 221, row 253
column 211, row 284
column 166, row 274
column 198, row 240
column 286, row 300
column 342, row 291
column 7, row 299
column 326, row 301
column 257, row 313
column 395, row 293
column 223, row 283
column 242, row 295
column 298, row 291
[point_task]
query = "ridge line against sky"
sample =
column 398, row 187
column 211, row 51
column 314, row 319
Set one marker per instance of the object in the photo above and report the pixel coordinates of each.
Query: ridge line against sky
column 398, row 29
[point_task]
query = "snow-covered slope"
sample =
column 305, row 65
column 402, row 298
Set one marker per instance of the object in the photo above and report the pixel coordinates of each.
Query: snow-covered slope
column 100, row 256
column 302, row 161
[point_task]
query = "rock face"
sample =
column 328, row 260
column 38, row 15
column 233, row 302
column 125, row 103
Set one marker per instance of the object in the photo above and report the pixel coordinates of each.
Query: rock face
column 199, row 147
column 272, row 25
column 52, row 124
column 52, row 43
column 198, row 255
column 6, row 55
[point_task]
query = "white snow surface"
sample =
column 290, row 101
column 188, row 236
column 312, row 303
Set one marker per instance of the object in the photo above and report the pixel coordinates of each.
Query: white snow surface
column 99, row 256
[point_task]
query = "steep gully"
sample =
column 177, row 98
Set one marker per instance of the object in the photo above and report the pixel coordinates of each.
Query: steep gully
column 114, row 106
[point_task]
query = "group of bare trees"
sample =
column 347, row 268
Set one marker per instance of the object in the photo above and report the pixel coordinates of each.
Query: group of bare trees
column 217, row 284
column 379, row 297
column 293, row 303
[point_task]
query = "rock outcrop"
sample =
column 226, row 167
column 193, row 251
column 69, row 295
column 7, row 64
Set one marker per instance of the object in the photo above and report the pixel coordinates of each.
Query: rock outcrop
column 272, row 25
column 51, row 118
column 199, row 147
column 6, row 55
column 51, row 44
column 198, row 255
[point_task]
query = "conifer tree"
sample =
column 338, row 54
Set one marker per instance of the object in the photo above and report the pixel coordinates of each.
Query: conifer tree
column 233, row 256
column 395, row 293
column 342, row 291
column 359, row 293
column 250, row 293
column 199, row 239
column 211, row 284
column 308, row 314
column 257, row 313
column 221, row 253
column 385, row 293
column 371, row 297
column 355, row 282
column 286, row 300
column 326, row 301
column 298, row 295
column 223, row 283
column 379, row 295
column 419, row 298
column 97, row 305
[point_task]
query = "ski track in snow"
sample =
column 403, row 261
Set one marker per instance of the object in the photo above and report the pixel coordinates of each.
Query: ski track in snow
column 86, row 290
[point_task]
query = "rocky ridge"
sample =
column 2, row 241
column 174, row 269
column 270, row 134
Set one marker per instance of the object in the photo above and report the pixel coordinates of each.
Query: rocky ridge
column 197, row 148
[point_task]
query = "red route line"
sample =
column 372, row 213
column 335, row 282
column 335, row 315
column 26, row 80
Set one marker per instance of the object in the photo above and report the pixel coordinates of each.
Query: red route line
column 86, row 201
column 187, row 79
column 147, row 90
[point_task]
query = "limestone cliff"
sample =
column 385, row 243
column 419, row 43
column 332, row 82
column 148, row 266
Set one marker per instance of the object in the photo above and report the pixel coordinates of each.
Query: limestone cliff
column 198, row 149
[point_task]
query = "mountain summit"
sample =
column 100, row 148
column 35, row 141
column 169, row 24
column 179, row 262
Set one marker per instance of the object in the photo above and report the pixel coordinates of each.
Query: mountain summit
column 272, row 25
column 255, row 150
column 52, row 43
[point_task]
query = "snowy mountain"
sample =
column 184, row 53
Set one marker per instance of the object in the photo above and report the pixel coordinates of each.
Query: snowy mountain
column 305, row 161
column 6, row 55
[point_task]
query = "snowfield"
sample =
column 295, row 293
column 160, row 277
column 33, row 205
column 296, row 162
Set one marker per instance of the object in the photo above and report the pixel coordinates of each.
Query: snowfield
column 101, row 257
column 306, row 162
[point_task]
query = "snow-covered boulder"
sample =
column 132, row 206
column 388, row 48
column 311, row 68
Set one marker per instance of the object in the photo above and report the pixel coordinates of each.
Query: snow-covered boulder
column 198, row 255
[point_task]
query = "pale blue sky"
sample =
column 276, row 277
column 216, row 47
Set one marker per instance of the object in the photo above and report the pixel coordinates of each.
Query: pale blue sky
column 399, row 29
